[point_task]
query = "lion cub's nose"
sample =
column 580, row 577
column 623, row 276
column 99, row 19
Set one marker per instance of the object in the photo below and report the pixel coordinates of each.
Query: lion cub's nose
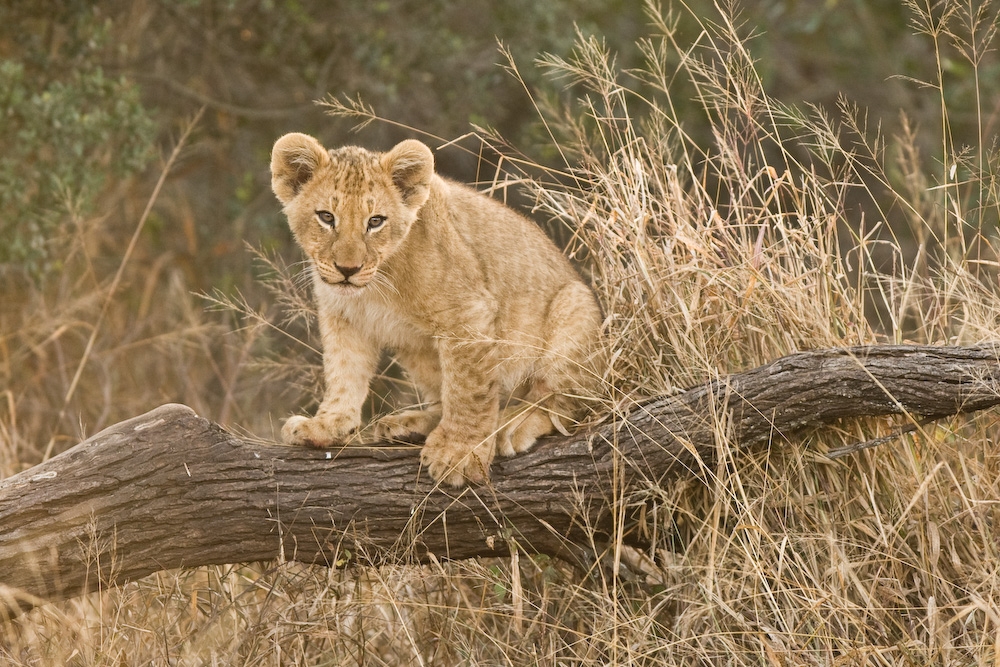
column 347, row 271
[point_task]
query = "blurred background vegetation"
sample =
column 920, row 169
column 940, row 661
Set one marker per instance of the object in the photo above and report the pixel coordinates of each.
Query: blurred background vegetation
column 93, row 96
column 855, row 202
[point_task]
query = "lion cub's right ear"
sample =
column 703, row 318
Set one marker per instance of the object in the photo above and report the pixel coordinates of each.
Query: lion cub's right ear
column 294, row 159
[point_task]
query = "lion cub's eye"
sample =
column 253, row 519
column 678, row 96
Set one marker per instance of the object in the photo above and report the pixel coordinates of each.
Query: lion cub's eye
column 326, row 218
column 375, row 222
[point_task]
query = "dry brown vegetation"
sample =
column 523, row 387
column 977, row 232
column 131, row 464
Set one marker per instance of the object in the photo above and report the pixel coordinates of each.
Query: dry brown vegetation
column 797, row 229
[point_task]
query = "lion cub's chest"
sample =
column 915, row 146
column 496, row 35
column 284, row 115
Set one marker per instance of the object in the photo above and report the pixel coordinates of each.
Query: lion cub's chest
column 378, row 320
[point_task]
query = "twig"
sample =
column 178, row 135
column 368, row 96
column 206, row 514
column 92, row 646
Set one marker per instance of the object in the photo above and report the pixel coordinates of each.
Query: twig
column 840, row 452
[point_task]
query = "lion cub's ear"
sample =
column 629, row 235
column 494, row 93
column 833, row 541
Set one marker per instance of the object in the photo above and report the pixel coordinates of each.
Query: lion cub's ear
column 411, row 164
column 294, row 159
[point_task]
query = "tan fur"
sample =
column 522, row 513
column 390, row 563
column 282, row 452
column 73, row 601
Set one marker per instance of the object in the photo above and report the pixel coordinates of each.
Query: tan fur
column 476, row 302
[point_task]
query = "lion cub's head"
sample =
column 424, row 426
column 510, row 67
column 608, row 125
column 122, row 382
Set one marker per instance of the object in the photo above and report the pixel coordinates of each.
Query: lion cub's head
column 349, row 208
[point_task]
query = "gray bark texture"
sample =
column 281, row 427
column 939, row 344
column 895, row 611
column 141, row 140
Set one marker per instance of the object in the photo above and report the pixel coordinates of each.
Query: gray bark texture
column 170, row 489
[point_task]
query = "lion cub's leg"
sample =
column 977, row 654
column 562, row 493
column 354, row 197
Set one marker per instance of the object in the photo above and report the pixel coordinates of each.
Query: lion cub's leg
column 563, row 374
column 462, row 446
column 348, row 365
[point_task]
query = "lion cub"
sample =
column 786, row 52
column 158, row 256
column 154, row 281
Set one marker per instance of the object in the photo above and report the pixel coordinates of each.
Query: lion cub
column 476, row 302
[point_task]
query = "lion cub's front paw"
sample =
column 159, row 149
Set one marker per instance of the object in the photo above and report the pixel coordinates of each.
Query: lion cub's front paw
column 454, row 460
column 320, row 431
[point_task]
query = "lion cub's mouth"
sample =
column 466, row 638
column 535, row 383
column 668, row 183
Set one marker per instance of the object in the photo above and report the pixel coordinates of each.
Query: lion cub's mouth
column 343, row 283
column 349, row 284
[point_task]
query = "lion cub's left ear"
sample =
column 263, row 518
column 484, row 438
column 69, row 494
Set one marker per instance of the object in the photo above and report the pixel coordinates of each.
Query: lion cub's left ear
column 411, row 164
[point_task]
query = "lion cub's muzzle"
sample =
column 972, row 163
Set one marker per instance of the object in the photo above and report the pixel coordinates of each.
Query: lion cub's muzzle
column 346, row 276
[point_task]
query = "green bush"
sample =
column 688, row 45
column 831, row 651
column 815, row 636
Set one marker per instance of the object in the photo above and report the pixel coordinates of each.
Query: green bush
column 68, row 131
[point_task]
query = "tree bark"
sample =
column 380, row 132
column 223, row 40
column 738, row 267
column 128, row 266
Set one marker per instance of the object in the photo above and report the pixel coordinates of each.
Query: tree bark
column 169, row 489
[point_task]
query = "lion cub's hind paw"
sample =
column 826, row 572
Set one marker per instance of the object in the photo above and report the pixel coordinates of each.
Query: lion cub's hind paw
column 318, row 432
column 407, row 425
column 520, row 429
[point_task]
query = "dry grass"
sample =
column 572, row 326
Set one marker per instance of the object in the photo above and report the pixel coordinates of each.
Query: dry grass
column 795, row 230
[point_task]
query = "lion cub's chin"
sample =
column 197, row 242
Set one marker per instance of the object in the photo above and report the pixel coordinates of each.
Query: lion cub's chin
column 348, row 291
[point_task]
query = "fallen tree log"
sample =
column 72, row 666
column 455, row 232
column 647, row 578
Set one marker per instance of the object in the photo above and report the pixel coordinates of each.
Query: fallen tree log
column 169, row 489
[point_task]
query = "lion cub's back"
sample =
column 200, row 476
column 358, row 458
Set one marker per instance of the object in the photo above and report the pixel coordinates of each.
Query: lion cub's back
column 513, row 250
